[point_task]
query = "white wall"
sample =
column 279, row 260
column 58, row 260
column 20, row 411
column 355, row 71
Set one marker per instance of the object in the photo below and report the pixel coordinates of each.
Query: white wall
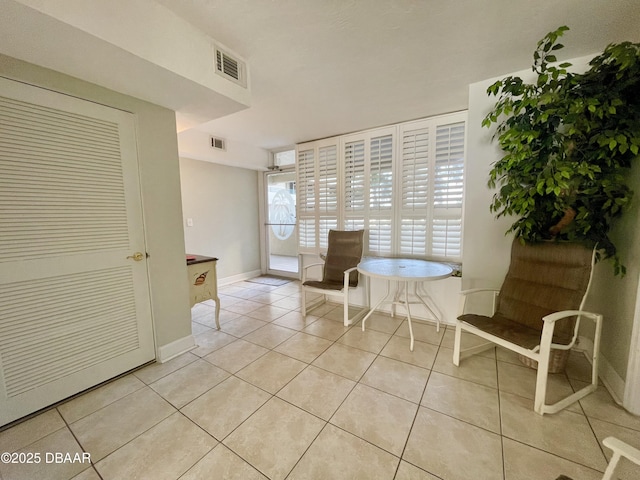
column 167, row 60
column 487, row 249
column 195, row 144
column 159, row 177
column 222, row 201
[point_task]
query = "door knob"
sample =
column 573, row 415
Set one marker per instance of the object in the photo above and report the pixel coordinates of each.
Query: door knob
column 138, row 256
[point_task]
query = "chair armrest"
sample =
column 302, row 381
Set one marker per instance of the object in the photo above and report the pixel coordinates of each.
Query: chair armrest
column 555, row 316
column 623, row 449
column 304, row 270
column 471, row 291
column 551, row 319
column 466, row 293
column 312, row 265
column 347, row 273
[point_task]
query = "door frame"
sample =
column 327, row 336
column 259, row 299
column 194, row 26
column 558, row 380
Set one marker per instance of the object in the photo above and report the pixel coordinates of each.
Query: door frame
column 264, row 218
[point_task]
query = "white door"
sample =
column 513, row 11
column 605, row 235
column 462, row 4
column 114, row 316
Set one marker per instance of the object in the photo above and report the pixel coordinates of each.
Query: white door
column 280, row 235
column 74, row 309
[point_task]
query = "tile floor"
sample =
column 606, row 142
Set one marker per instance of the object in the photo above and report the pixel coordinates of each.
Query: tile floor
column 275, row 395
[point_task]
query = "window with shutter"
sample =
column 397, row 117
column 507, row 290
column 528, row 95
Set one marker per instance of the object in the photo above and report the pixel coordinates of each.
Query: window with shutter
column 414, row 190
column 306, row 200
column 328, row 179
column 431, row 184
column 403, row 184
column 381, row 194
column 318, row 185
column 354, row 178
column 448, row 191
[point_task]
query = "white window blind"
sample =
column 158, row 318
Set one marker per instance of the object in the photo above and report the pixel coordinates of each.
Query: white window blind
column 431, row 184
column 318, row 184
column 381, row 194
column 448, row 191
column 368, row 187
column 306, row 192
column 414, row 190
column 402, row 184
column 327, row 192
column 354, row 174
column 328, row 179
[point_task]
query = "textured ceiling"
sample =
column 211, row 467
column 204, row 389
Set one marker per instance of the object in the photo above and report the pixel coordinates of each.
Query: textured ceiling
column 326, row 67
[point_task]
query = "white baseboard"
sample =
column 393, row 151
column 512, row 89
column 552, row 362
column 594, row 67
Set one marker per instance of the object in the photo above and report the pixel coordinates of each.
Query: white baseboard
column 238, row 278
column 609, row 377
column 171, row 350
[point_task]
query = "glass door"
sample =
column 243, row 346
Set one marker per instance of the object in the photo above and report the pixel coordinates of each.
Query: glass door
column 282, row 246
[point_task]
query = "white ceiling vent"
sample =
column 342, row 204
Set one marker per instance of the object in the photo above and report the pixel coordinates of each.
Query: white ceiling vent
column 231, row 67
column 218, row 143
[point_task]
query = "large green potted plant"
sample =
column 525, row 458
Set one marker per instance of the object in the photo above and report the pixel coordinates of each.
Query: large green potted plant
column 568, row 141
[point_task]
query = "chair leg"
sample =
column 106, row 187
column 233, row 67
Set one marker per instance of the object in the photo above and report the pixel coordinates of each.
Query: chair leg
column 456, row 344
column 584, row 391
column 346, row 307
column 611, row 467
column 620, row 449
column 304, row 302
column 543, row 368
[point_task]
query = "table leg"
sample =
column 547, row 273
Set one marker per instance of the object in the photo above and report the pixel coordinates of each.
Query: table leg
column 217, row 300
column 433, row 308
column 376, row 306
column 406, row 300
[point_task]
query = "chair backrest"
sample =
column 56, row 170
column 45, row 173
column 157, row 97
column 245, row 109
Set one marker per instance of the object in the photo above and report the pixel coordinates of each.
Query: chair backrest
column 544, row 278
column 344, row 251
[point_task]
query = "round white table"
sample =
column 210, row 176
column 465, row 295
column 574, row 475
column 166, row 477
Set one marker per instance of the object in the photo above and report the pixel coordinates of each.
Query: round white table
column 405, row 272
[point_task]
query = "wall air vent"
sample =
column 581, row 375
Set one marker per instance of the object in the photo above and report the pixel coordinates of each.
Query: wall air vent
column 230, row 67
column 218, row 143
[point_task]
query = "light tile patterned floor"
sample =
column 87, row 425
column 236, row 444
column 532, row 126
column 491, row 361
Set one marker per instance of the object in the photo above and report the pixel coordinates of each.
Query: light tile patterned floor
column 275, row 395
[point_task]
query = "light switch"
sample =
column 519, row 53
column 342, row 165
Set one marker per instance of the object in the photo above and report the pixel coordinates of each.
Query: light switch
column 189, row 222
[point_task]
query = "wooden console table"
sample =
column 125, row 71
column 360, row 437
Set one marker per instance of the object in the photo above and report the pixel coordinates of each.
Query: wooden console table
column 203, row 281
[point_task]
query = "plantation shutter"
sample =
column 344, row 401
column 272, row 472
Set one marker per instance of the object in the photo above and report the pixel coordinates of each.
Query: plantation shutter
column 402, row 184
column 354, row 185
column 306, row 193
column 414, row 190
column 431, row 187
column 327, row 192
column 317, row 189
column 381, row 194
column 448, row 191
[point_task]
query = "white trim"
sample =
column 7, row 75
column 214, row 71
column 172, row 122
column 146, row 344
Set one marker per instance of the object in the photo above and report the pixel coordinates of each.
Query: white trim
column 239, row 277
column 262, row 218
column 175, row 348
column 612, row 381
column 632, row 391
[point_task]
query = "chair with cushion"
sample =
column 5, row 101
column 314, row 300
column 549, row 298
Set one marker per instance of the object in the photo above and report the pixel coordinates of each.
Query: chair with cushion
column 537, row 312
column 340, row 275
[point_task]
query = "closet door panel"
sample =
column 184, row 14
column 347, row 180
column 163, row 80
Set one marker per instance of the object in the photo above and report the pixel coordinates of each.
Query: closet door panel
column 74, row 309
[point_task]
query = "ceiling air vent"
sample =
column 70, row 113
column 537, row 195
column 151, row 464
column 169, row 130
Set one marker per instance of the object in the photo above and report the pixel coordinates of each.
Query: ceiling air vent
column 217, row 143
column 230, row 67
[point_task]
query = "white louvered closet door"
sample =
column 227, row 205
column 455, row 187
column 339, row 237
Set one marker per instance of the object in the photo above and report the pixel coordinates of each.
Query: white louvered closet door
column 74, row 310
